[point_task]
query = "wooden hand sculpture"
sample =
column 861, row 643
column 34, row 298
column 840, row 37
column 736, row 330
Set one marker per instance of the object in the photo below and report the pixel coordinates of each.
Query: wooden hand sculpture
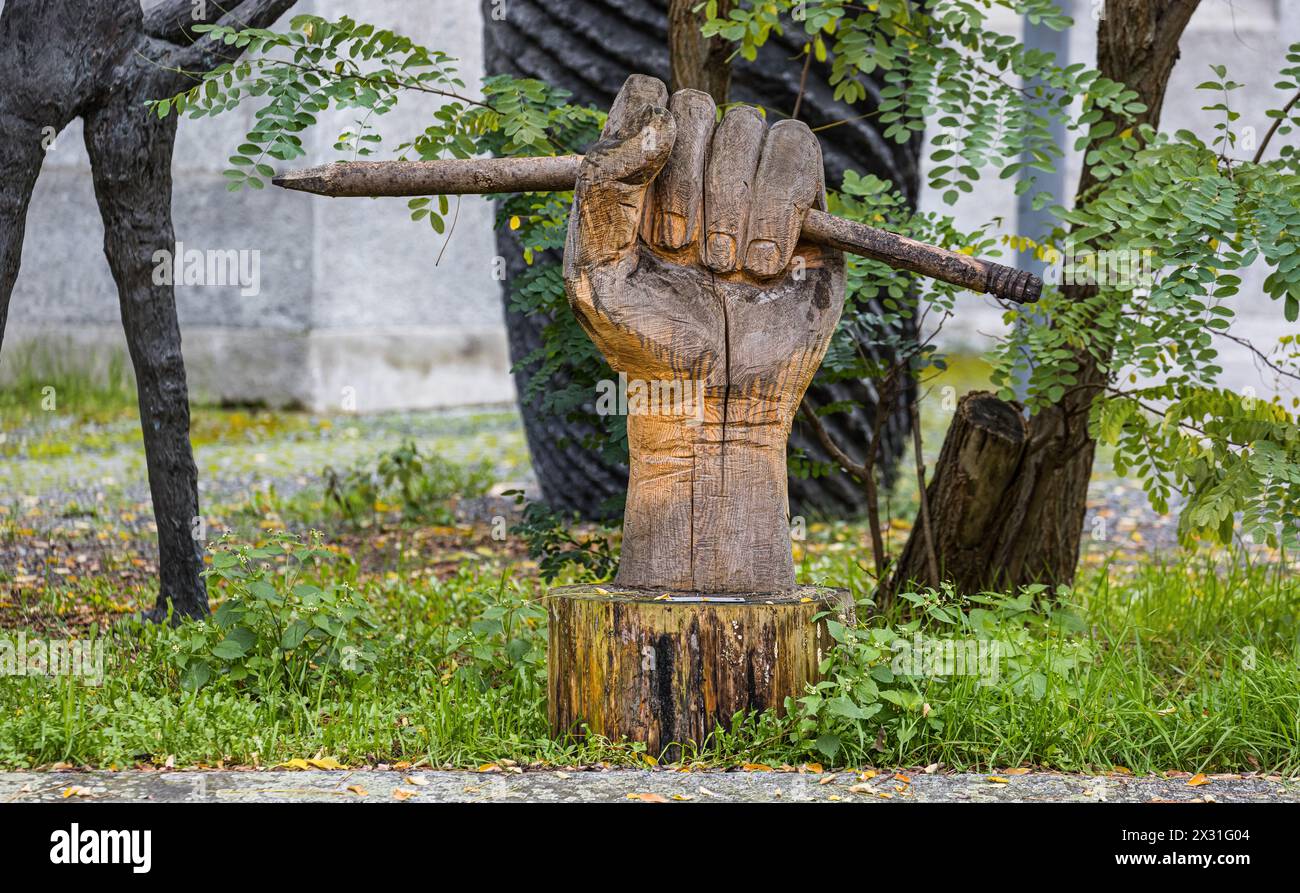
column 684, row 265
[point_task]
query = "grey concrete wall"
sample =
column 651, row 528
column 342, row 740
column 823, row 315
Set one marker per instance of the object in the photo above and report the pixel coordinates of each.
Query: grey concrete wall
column 1248, row 36
column 351, row 305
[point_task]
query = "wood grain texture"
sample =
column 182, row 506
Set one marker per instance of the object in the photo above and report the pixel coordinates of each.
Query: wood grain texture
column 707, row 505
column 667, row 671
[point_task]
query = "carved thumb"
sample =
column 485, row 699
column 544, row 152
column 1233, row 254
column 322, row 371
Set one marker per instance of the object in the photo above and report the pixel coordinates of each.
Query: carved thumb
column 611, row 189
column 636, row 160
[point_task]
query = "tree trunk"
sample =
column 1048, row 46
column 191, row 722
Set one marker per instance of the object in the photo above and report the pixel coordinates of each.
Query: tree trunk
column 62, row 59
column 667, row 671
column 1038, row 539
column 589, row 48
column 697, row 62
column 969, row 515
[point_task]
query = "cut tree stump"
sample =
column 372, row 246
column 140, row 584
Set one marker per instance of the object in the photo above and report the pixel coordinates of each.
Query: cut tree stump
column 668, row 668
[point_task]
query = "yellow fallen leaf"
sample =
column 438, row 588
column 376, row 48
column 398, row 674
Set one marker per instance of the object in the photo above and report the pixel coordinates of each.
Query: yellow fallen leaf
column 649, row 760
column 358, row 790
column 75, row 791
column 868, row 775
column 1017, row 772
column 1198, row 779
column 682, row 797
column 294, row 764
column 1121, row 770
column 326, row 763
column 756, row 767
column 998, row 779
column 648, row 798
column 898, row 776
column 489, row 767
column 399, row 794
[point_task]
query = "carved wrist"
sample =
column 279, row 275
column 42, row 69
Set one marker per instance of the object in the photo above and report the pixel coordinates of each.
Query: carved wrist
column 707, row 506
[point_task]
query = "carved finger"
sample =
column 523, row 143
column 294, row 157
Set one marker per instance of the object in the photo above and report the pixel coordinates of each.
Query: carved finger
column 789, row 182
column 728, row 185
column 616, row 172
column 677, row 189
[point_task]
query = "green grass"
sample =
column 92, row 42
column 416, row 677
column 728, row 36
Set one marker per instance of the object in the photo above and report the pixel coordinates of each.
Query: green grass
column 1186, row 663
column 1183, row 666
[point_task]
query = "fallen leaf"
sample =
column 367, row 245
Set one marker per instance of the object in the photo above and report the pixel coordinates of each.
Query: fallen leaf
column 1121, row 770
column 898, row 776
column 648, row 798
column 418, row 780
column 325, row 763
column 1016, row 772
column 489, row 767
column 998, row 779
column 860, row 789
column 826, row 779
column 756, row 767
column 75, row 791
column 1197, row 780
column 358, row 790
column 400, row 794
column 649, row 760
column 682, row 797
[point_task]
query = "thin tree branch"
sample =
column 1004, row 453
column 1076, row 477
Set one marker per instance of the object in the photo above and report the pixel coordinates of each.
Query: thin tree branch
column 1277, row 122
column 931, row 559
column 803, row 82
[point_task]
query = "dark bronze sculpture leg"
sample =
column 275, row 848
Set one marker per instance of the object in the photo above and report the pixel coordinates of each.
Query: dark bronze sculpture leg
column 130, row 156
column 21, row 155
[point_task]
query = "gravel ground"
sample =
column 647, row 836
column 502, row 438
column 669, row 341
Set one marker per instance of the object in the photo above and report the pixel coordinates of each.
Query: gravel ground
column 93, row 490
column 628, row 785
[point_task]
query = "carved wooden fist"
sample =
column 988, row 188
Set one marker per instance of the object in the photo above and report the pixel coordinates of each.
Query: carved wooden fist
column 683, row 263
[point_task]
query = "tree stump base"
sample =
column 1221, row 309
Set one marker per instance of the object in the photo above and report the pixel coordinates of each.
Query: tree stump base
column 667, row 668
